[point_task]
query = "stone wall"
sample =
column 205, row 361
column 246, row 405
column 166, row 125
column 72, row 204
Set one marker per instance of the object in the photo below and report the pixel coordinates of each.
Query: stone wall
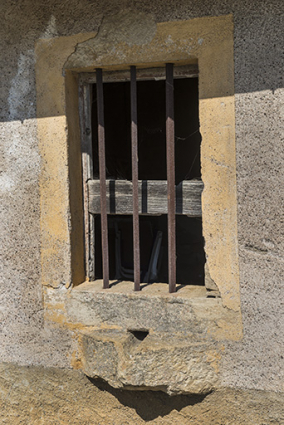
column 256, row 362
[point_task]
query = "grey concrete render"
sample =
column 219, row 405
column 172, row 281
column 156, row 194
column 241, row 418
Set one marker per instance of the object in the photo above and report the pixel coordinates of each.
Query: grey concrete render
column 254, row 363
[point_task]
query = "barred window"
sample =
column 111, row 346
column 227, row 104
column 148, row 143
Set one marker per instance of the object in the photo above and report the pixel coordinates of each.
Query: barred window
column 142, row 176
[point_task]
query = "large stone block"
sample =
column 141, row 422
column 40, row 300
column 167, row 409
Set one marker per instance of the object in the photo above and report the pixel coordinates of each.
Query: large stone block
column 188, row 311
column 170, row 364
column 151, row 339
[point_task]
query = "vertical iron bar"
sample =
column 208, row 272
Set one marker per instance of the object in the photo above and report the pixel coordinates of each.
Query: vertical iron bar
column 102, row 168
column 134, row 150
column 170, row 135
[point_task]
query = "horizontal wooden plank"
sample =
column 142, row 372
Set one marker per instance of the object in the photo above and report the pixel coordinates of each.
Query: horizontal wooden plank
column 152, row 197
column 143, row 74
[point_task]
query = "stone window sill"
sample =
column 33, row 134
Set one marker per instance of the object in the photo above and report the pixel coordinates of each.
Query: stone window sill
column 183, row 331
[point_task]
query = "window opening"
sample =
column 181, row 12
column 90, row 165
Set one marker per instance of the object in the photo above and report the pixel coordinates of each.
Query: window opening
column 151, row 130
column 190, row 251
column 146, row 164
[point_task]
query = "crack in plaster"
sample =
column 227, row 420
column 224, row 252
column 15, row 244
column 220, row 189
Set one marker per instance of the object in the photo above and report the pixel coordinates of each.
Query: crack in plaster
column 127, row 27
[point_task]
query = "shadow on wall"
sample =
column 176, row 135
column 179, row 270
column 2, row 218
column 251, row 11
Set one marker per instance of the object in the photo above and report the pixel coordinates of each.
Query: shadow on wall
column 149, row 405
column 258, row 44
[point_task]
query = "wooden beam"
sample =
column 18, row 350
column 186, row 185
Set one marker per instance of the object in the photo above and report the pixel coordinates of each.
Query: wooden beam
column 85, row 102
column 143, row 74
column 152, row 196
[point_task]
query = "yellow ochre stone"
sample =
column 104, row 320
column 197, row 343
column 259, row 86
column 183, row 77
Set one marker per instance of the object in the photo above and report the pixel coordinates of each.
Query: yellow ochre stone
column 205, row 41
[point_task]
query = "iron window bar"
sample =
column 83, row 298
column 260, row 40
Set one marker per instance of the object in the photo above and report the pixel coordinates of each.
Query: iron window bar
column 134, row 150
column 171, row 202
column 170, row 137
column 102, row 171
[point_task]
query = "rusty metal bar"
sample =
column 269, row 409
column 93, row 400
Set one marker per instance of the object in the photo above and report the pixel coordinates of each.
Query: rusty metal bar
column 170, row 136
column 134, row 150
column 102, row 169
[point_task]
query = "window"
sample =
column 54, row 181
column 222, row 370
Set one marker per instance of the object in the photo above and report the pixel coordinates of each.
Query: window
column 206, row 41
column 202, row 324
column 141, row 166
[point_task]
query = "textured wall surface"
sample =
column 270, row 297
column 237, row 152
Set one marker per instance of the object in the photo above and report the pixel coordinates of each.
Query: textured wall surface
column 255, row 362
column 37, row 395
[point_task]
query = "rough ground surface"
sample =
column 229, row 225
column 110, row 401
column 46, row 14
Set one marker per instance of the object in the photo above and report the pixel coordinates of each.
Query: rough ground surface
column 35, row 395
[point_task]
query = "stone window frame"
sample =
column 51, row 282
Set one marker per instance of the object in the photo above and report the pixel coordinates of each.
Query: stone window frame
column 59, row 61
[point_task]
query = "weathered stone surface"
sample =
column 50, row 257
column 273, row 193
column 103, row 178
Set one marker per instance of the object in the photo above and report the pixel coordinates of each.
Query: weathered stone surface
column 48, row 396
column 129, row 310
column 159, row 362
column 183, row 333
column 188, row 311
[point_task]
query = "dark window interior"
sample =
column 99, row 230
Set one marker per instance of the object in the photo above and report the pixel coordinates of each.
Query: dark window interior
column 151, row 130
column 152, row 166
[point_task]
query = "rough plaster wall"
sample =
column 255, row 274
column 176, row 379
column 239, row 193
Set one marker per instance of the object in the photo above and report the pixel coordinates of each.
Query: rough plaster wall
column 23, row 337
column 256, row 362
